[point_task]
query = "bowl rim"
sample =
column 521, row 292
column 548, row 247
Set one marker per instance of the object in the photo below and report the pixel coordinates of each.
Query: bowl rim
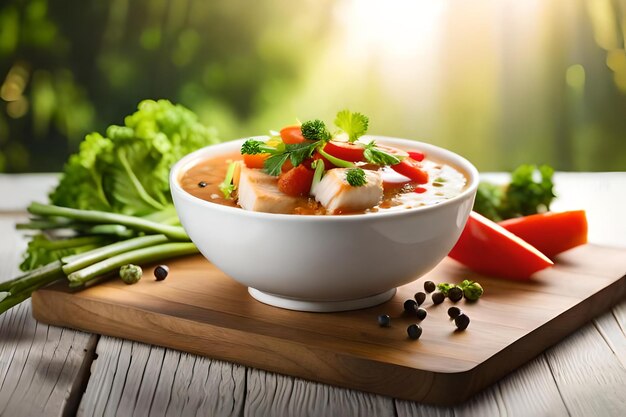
column 449, row 156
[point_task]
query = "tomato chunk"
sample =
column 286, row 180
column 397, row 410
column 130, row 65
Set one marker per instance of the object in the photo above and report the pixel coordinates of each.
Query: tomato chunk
column 255, row 161
column 291, row 135
column 551, row 233
column 487, row 248
column 411, row 169
column 344, row 150
column 297, row 181
column 416, row 156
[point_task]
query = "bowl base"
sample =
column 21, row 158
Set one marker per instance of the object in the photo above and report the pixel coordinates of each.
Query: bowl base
column 320, row 306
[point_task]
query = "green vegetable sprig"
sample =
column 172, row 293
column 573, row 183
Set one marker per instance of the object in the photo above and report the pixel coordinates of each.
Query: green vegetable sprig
column 530, row 191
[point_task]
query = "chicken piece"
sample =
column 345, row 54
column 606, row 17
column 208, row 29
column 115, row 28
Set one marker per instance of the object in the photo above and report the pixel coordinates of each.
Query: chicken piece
column 335, row 194
column 258, row 191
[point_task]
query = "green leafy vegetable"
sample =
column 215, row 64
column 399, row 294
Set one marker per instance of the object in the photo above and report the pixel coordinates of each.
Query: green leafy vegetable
column 356, row 177
column 530, row 191
column 315, row 130
column 296, row 153
column 127, row 171
column 113, row 205
column 377, row 156
column 354, row 124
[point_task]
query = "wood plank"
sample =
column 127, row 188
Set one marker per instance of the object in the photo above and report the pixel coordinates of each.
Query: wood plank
column 584, row 366
column 200, row 310
column 270, row 394
column 530, row 391
column 130, row 378
column 42, row 368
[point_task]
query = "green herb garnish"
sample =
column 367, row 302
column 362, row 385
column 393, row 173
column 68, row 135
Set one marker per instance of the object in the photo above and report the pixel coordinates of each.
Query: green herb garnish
column 377, row 156
column 354, row 124
column 356, row 177
column 254, row 147
column 296, row 153
column 315, row 130
column 530, row 191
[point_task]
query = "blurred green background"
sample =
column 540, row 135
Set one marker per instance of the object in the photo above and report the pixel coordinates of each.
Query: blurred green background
column 501, row 82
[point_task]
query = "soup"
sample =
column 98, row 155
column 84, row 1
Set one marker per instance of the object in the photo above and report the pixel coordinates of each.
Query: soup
column 399, row 192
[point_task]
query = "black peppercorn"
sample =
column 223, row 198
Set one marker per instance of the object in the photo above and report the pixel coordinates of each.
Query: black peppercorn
column 438, row 297
column 202, row 184
column 160, row 272
column 429, row 286
column 462, row 321
column 455, row 294
column 414, row 331
column 421, row 313
column 454, row 312
column 410, row 306
column 384, row 320
column 420, row 297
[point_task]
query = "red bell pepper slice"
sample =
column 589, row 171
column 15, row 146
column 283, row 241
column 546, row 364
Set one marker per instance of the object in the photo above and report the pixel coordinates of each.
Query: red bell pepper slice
column 551, row 233
column 344, row 150
column 411, row 169
column 487, row 248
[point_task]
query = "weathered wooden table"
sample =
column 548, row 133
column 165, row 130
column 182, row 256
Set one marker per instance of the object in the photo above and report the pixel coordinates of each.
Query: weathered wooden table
column 49, row 371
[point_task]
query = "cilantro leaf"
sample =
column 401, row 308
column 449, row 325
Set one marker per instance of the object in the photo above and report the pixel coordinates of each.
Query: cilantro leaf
column 300, row 151
column 377, row 156
column 354, row 124
column 356, row 177
column 274, row 163
column 295, row 153
column 315, row 130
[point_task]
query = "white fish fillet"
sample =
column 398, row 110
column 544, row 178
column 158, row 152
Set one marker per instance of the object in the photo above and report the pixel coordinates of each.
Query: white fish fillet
column 258, row 191
column 334, row 192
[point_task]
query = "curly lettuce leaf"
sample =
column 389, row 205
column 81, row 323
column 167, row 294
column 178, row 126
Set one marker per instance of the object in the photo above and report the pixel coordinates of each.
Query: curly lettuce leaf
column 127, row 171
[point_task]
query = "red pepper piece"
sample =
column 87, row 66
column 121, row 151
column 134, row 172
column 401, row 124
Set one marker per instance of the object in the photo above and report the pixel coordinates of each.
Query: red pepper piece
column 344, row 150
column 411, row 169
column 487, row 248
column 551, row 233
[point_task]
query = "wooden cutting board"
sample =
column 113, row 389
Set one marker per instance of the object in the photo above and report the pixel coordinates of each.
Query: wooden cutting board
column 200, row 310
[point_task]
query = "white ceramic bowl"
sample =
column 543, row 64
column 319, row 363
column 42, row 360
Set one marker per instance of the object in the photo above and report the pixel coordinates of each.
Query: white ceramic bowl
column 324, row 263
